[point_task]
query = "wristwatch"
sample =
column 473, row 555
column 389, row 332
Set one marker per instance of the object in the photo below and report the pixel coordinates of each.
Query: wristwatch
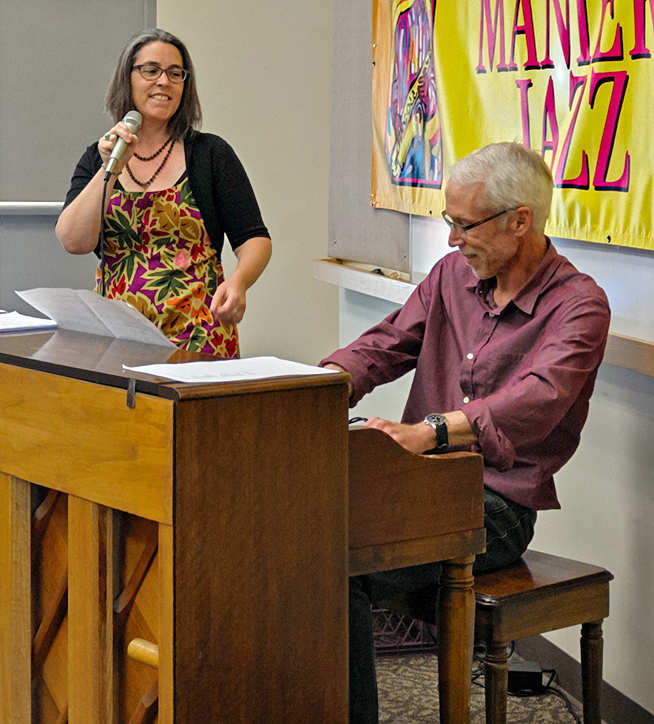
column 439, row 423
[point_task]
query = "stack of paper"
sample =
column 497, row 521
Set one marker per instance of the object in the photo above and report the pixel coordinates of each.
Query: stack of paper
column 15, row 322
column 231, row 370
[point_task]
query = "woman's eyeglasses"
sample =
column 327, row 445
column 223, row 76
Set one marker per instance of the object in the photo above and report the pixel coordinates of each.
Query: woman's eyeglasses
column 152, row 72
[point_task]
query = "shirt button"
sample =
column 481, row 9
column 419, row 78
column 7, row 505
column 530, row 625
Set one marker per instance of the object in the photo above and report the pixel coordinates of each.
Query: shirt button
column 470, row 355
column 466, row 399
column 491, row 314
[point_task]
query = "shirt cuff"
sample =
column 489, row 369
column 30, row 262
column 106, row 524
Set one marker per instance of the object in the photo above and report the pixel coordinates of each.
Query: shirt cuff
column 496, row 448
column 350, row 365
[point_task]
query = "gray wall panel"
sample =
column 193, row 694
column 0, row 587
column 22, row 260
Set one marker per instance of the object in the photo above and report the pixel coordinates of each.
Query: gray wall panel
column 356, row 230
column 31, row 256
column 57, row 57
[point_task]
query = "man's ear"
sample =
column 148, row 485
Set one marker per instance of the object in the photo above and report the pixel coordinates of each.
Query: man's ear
column 522, row 220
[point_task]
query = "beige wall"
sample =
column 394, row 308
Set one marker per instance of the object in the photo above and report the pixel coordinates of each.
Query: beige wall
column 264, row 72
column 264, row 76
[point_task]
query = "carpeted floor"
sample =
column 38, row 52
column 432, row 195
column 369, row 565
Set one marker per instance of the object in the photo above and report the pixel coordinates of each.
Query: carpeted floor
column 408, row 694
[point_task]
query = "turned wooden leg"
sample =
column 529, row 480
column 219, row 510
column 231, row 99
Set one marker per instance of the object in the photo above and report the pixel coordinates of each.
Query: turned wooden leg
column 496, row 676
column 456, row 621
column 592, row 648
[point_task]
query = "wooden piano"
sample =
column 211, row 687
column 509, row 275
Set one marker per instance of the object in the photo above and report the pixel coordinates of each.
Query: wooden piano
column 211, row 521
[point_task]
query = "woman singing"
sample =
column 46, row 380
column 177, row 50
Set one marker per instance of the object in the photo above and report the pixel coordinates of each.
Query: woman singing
column 172, row 196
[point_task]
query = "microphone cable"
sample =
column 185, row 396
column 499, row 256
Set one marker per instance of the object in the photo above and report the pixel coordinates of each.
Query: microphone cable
column 103, row 285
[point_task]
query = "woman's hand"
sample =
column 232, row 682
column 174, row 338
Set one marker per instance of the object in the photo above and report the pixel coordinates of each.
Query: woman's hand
column 108, row 141
column 78, row 226
column 228, row 304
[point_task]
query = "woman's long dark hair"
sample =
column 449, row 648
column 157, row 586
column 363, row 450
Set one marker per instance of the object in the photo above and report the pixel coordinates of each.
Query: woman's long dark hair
column 119, row 95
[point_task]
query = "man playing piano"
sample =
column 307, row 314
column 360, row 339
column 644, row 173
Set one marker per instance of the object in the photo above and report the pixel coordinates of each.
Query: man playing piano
column 506, row 338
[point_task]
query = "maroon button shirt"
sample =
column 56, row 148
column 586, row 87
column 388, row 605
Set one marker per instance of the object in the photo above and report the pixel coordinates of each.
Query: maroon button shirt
column 522, row 374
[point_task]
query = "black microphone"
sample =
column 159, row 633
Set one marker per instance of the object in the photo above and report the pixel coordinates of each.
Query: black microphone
column 133, row 121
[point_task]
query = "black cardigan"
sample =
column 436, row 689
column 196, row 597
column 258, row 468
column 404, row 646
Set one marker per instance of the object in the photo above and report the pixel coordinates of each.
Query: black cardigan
column 218, row 182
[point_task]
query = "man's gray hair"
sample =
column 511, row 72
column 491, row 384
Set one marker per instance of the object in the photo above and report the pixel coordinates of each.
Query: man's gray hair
column 512, row 176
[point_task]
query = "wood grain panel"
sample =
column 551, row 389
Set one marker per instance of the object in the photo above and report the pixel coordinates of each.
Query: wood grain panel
column 387, row 556
column 82, row 438
column 387, row 481
column 50, row 564
column 15, row 593
column 548, row 613
column 136, row 610
column 631, row 353
column 534, row 572
column 90, row 620
column 260, row 540
column 166, row 624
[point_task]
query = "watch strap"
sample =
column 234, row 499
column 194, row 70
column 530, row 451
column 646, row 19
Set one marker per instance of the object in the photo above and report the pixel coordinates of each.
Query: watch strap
column 439, row 423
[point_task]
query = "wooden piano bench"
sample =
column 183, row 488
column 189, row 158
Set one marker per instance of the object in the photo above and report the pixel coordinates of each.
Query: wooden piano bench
column 537, row 594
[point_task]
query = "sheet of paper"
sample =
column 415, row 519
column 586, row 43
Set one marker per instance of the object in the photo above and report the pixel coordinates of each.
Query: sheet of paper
column 231, row 370
column 67, row 310
column 85, row 311
column 15, row 322
column 123, row 320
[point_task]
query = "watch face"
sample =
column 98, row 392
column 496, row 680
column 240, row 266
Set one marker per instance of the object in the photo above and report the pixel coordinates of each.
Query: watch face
column 435, row 419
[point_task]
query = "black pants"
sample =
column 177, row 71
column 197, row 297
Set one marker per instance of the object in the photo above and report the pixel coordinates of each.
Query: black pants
column 509, row 529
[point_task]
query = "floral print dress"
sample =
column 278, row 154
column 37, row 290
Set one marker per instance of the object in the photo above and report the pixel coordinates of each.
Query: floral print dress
column 158, row 257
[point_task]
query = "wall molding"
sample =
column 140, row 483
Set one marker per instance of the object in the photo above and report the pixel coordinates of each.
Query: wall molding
column 30, row 208
column 360, row 278
column 621, row 351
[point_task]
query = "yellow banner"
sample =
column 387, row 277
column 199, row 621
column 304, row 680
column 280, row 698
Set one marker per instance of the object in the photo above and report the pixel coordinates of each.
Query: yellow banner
column 571, row 79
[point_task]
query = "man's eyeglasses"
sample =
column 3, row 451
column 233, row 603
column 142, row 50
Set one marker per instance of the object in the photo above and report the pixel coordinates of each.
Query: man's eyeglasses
column 152, row 72
column 463, row 229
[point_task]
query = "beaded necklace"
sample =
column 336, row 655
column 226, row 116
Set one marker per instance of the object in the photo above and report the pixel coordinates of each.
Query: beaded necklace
column 154, row 155
column 145, row 184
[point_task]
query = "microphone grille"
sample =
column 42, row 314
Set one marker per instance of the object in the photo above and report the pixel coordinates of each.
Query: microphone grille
column 133, row 121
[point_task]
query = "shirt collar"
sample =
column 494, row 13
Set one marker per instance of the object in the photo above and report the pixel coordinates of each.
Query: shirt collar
column 527, row 297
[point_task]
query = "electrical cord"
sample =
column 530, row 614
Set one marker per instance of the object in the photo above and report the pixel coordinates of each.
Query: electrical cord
column 549, row 688
column 479, row 660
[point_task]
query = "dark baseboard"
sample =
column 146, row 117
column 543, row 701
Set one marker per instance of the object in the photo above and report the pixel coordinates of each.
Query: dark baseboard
column 616, row 707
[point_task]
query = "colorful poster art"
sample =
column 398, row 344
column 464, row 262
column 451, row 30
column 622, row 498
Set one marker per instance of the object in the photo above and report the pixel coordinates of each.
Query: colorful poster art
column 413, row 134
column 571, row 79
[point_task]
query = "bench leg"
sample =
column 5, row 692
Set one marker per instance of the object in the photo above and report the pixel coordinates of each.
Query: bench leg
column 496, row 677
column 456, row 621
column 592, row 649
